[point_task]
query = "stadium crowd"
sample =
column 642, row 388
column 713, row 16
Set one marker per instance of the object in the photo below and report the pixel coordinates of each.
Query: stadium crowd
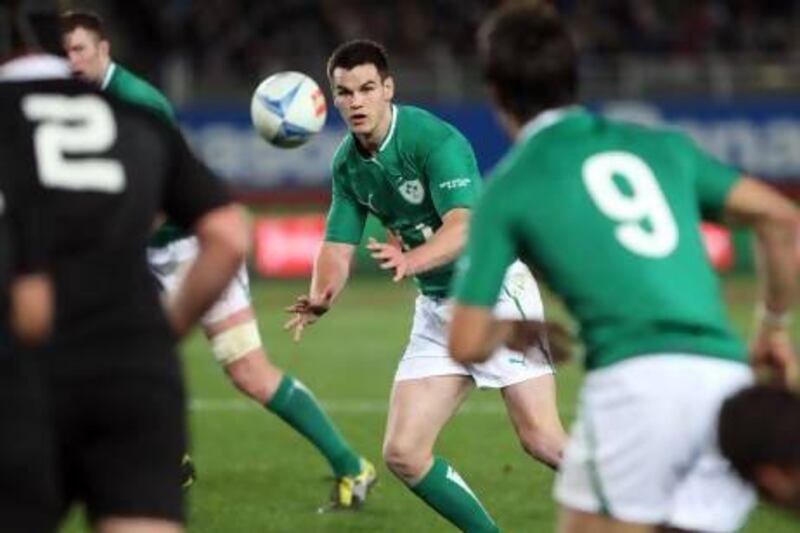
column 239, row 39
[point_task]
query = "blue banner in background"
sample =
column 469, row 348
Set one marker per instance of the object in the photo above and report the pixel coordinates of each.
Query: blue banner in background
column 762, row 138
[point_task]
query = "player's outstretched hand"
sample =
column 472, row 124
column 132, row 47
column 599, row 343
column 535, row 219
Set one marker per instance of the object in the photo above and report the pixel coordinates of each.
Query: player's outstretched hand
column 305, row 312
column 772, row 351
column 390, row 256
column 528, row 333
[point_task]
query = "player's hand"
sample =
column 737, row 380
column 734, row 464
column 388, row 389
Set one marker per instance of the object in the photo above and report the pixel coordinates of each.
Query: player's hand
column 306, row 311
column 772, row 351
column 390, row 256
column 548, row 335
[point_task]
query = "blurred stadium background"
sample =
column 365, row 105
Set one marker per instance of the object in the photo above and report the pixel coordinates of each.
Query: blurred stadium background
column 727, row 71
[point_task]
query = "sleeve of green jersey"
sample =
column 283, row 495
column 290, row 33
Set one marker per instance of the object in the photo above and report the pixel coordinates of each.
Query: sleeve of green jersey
column 453, row 175
column 489, row 252
column 713, row 181
column 346, row 217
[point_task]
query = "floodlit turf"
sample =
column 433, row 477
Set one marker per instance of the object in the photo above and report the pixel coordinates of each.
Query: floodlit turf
column 257, row 475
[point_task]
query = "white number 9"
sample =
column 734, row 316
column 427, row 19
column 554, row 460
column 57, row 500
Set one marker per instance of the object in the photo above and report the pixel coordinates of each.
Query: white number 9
column 645, row 203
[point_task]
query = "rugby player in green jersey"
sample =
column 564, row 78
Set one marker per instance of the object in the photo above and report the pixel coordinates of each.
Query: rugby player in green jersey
column 609, row 214
column 230, row 325
column 418, row 175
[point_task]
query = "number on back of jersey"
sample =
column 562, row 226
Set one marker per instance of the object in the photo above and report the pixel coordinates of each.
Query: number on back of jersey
column 69, row 131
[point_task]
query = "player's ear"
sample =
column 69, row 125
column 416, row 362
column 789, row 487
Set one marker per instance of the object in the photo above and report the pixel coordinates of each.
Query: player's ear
column 388, row 87
column 104, row 46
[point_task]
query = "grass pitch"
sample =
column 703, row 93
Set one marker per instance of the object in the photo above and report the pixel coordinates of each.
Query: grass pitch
column 255, row 474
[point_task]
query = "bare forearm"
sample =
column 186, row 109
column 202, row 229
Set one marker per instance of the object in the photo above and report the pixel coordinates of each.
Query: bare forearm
column 223, row 237
column 475, row 334
column 208, row 276
column 775, row 220
column 777, row 241
column 443, row 247
column 331, row 270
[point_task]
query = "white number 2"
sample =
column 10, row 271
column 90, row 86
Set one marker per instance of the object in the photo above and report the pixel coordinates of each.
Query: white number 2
column 646, row 203
column 76, row 126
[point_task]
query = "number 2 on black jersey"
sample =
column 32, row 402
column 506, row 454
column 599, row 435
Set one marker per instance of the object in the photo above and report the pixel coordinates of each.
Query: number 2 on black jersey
column 78, row 126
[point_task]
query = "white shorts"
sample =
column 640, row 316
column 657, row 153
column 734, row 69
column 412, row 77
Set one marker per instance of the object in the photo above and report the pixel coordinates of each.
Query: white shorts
column 170, row 264
column 644, row 449
column 426, row 354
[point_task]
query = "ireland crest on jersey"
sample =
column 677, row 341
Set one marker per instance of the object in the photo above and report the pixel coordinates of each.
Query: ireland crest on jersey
column 412, row 191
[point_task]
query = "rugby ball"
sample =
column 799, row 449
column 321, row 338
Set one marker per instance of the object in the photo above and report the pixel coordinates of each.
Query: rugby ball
column 287, row 109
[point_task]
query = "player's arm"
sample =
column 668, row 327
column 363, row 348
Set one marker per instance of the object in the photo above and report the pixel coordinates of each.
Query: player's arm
column 197, row 200
column 724, row 193
column 775, row 221
column 343, row 231
column 223, row 241
column 32, row 307
column 474, row 332
column 27, row 239
column 443, row 247
column 453, row 183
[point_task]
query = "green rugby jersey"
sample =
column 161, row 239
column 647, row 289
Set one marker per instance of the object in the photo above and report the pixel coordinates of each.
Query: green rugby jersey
column 423, row 169
column 130, row 88
column 608, row 214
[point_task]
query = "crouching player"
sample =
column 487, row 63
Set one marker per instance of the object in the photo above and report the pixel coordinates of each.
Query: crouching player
column 418, row 176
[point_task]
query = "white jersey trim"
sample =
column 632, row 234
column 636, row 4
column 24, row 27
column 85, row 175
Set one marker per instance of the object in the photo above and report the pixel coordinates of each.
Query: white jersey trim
column 544, row 120
column 389, row 135
column 34, row 67
column 109, row 74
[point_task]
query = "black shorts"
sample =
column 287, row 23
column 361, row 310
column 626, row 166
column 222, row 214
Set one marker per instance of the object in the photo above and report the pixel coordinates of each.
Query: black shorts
column 121, row 430
column 28, row 495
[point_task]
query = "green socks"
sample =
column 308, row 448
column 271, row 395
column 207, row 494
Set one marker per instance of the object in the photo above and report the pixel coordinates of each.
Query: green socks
column 443, row 489
column 296, row 406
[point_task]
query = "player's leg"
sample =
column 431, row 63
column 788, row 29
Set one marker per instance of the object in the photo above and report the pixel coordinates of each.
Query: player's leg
column 236, row 344
column 29, row 495
column 231, row 327
column 527, row 380
column 532, row 408
column 418, row 410
column 123, row 434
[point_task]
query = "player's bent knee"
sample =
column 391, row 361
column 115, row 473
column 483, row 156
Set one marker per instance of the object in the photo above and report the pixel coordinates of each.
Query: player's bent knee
column 236, row 342
column 406, row 461
column 546, row 446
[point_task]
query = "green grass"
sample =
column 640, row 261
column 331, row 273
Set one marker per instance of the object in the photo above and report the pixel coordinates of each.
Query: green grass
column 257, row 475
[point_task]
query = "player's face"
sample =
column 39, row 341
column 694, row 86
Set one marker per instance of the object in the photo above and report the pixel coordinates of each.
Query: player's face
column 88, row 55
column 362, row 97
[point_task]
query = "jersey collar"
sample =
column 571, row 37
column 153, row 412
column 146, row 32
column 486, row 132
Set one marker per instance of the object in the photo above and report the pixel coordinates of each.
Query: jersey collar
column 109, row 74
column 34, row 67
column 389, row 135
column 385, row 141
column 545, row 119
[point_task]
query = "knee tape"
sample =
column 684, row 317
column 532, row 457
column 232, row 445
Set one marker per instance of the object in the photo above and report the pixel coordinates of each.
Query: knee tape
column 236, row 342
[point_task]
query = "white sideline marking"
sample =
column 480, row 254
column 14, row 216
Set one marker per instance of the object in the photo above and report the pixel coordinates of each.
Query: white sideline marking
column 226, row 405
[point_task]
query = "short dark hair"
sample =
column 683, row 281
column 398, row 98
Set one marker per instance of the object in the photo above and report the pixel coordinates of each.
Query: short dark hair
column 26, row 26
column 89, row 20
column 760, row 425
column 527, row 56
column 359, row 52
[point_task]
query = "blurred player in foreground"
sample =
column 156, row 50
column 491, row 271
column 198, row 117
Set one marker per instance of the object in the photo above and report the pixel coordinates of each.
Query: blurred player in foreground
column 759, row 433
column 112, row 386
column 418, row 175
column 27, row 489
column 230, row 325
column 609, row 213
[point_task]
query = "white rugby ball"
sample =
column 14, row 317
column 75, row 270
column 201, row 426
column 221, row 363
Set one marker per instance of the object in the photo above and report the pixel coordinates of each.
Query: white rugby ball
column 287, row 109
